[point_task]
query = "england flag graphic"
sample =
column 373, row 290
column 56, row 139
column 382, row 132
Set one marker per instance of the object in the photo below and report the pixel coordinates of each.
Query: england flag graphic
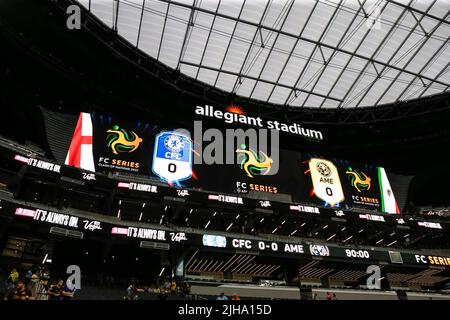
column 80, row 152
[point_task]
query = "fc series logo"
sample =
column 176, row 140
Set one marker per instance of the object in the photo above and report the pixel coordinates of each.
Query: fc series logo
column 121, row 140
column 358, row 179
column 362, row 183
column 244, row 187
column 254, row 163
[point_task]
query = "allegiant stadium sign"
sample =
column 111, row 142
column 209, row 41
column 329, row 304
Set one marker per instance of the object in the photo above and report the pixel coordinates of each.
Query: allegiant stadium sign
column 236, row 115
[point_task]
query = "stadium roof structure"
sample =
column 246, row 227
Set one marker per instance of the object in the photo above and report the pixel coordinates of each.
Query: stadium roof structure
column 301, row 54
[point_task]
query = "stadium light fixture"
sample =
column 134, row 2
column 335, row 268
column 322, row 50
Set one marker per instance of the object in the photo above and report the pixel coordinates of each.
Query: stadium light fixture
column 230, row 262
column 393, row 242
column 219, row 267
column 192, row 257
column 201, row 267
column 247, row 268
column 207, row 267
column 212, row 267
column 348, row 239
column 244, row 262
column 329, row 238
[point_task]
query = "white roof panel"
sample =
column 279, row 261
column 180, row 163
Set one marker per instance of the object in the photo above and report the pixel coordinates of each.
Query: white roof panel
column 343, row 53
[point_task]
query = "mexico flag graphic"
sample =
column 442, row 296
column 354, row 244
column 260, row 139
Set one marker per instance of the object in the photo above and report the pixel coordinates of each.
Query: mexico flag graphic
column 80, row 152
column 388, row 202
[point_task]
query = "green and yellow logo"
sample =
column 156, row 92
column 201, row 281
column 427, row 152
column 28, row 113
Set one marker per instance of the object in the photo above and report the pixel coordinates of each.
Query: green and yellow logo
column 121, row 140
column 254, row 163
column 358, row 179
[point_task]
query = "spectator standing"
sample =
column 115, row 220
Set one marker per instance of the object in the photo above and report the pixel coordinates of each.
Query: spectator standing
column 167, row 285
column 222, row 297
column 21, row 292
column 173, row 287
column 28, row 276
column 187, row 290
column 12, row 280
column 68, row 293
column 55, row 291
column 42, row 288
column 33, row 286
column 131, row 292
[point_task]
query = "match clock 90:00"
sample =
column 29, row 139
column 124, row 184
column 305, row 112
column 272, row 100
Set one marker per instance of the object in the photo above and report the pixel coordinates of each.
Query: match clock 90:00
column 362, row 254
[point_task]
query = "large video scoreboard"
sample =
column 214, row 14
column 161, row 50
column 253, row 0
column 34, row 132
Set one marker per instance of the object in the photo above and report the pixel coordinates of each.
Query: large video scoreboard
column 187, row 158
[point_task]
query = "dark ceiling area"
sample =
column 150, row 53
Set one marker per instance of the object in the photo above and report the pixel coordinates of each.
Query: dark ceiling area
column 43, row 64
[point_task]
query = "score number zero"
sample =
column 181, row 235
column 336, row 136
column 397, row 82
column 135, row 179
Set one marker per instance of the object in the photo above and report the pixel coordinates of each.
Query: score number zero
column 172, row 156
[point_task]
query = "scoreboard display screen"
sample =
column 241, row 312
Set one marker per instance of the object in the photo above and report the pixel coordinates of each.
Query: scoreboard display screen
column 336, row 183
column 237, row 178
column 105, row 144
